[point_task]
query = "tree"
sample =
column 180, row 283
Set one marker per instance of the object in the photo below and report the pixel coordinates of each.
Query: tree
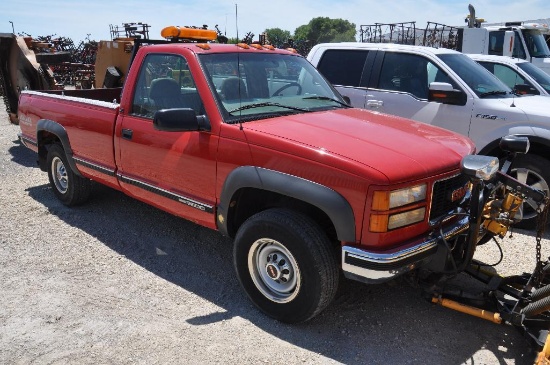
column 323, row 30
column 277, row 37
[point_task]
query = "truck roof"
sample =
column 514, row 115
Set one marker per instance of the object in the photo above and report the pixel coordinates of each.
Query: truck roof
column 497, row 59
column 223, row 48
column 385, row 46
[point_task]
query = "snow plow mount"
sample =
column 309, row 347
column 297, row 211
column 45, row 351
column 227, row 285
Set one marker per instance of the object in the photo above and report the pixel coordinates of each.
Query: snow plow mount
column 514, row 300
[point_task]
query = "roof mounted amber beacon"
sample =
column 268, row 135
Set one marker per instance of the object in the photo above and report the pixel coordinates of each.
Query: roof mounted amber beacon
column 188, row 33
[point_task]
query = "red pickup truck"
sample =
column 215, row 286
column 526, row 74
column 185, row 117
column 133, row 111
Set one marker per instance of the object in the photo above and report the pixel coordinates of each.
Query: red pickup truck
column 253, row 142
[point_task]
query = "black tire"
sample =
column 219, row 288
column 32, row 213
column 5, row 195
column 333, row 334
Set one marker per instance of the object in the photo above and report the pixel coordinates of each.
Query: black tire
column 304, row 279
column 534, row 171
column 70, row 188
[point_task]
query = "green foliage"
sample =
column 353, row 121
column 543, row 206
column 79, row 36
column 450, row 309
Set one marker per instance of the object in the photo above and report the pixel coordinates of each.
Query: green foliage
column 323, row 29
column 233, row 40
column 277, row 37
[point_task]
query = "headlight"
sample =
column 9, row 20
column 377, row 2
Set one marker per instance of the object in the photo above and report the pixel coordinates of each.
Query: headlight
column 384, row 222
column 382, row 219
column 384, row 200
column 481, row 167
column 406, row 218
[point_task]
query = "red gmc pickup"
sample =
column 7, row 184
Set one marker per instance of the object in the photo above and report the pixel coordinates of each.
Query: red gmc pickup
column 252, row 141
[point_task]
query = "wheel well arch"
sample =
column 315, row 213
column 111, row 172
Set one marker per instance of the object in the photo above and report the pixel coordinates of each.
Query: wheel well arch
column 249, row 190
column 248, row 201
column 49, row 132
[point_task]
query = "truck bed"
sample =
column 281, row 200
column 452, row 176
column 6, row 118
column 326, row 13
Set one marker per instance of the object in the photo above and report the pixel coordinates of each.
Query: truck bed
column 85, row 119
column 107, row 95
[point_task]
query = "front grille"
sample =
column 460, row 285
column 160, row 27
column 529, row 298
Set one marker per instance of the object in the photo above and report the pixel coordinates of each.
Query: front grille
column 444, row 191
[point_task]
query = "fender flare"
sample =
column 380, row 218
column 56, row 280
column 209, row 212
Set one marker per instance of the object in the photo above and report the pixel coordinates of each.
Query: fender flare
column 46, row 125
column 334, row 205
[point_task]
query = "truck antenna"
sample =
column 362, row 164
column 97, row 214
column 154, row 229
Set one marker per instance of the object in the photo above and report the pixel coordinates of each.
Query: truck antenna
column 236, row 22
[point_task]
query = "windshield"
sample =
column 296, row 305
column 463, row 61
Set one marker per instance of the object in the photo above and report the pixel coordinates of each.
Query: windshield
column 541, row 77
column 535, row 43
column 481, row 81
column 249, row 86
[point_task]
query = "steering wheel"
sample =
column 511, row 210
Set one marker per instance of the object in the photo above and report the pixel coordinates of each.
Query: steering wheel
column 287, row 86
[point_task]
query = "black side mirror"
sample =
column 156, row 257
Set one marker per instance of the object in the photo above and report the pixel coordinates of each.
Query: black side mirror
column 443, row 92
column 179, row 120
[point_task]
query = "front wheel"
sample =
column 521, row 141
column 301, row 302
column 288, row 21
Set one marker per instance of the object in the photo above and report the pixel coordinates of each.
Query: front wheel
column 533, row 171
column 286, row 265
column 70, row 188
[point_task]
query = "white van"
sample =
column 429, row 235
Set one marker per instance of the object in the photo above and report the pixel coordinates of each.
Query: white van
column 444, row 88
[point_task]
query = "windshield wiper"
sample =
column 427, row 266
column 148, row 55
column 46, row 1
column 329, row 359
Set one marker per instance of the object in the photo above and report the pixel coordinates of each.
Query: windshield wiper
column 495, row 92
column 259, row 105
column 317, row 97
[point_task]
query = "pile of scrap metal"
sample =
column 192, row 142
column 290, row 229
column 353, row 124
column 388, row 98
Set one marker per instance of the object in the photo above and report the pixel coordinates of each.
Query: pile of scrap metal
column 20, row 69
column 35, row 64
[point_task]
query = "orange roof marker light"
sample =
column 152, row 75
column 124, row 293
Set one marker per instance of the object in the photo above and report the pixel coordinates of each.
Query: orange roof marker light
column 257, row 46
column 204, row 46
column 269, row 46
column 243, row 45
column 293, row 50
column 189, row 33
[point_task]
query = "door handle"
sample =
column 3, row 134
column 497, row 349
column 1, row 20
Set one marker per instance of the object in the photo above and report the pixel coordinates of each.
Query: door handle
column 127, row 133
column 374, row 103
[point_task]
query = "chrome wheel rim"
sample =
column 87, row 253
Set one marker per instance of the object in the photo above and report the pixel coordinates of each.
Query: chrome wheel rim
column 534, row 180
column 274, row 270
column 59, row 175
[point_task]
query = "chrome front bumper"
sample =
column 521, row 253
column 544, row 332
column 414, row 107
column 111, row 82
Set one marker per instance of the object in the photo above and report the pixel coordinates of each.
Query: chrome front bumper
column 378, row 267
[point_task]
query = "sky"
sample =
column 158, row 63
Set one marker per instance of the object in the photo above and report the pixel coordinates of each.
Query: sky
column 77, row 19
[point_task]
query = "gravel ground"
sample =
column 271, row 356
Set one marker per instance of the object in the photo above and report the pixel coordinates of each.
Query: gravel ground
column 116, row 282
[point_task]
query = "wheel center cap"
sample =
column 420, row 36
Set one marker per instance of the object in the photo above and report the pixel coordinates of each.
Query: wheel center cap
column 272, row 271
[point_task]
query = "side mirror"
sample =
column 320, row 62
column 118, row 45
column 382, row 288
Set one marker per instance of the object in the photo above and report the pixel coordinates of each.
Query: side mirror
column 443, row 92
column 179, row 120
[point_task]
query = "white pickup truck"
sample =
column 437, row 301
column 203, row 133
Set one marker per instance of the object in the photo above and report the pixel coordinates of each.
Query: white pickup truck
column 445, row 88
column 518, row 74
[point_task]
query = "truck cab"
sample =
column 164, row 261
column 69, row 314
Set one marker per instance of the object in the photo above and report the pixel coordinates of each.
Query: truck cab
column 518, row 74
column 515, row 39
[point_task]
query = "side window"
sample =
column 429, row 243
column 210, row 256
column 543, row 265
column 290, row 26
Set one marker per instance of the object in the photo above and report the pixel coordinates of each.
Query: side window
column 343, row 67
column 505, row 74
column 496, row 42
column 165, row 82
column 406, row 73
column 518, row 51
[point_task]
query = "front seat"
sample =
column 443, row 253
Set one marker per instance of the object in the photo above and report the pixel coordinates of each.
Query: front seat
column 233, row 88
column 166, row 94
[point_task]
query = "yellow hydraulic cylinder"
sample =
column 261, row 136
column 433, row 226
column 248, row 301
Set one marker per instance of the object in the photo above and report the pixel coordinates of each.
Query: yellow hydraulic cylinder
column 473, row 311
column 544, row 356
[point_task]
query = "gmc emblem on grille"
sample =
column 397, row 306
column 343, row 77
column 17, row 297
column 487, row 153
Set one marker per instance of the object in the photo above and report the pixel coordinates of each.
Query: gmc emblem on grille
column 458, row 194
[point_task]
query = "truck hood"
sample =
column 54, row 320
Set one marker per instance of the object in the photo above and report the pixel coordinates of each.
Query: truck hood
column 535, row 107
column 400, row 149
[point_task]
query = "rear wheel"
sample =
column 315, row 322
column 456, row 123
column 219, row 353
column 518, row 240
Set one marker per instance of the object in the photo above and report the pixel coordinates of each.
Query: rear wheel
column 534, row 171
column 286, row 265
column 70, row 188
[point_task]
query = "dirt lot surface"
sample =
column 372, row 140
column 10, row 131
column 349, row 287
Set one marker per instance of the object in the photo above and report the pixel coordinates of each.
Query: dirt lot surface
column 118, row 282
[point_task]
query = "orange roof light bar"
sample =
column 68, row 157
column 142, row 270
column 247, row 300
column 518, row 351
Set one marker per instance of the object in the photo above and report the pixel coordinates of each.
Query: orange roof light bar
column 189, row 33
